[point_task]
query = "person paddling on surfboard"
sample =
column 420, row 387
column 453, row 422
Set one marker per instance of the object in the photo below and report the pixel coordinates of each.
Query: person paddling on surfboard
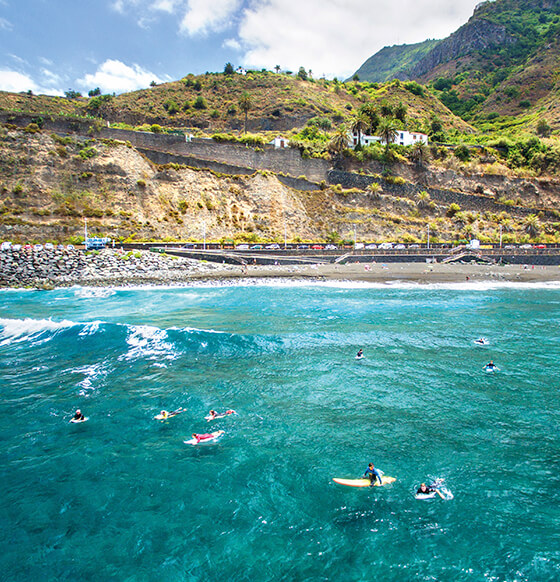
column 373, row 475
column 203, row 437
column 78, row 416
column 427, row 489
column 490, row 365
column 360, row 353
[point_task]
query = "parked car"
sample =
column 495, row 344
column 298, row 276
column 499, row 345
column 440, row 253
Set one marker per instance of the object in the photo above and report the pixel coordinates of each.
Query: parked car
column 6, row 246
column 187, row 246
column 539, row 247
column 70, row 247
column 273, row 246
column 359, row 246
column 414, row 246
column 371, row 246
column 331, row 248
column 385, row 246
column 302, row 247
column 16, row 247
column 317, row 247
column 242, row 248
column 28, row 247
column 37, row 247
column 527, row 246
column 59, row 247
column 400, row 247
column 49, row 247
column 257, row 247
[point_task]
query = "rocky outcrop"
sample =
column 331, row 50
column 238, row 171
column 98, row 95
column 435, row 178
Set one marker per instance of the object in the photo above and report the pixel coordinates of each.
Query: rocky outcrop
column 478, row 34
column 62, row 268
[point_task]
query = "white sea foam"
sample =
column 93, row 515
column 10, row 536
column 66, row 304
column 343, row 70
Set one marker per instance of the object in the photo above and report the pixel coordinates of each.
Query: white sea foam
column 149, row 342
column 36, row 331
column 93, row 292
column 92, row 374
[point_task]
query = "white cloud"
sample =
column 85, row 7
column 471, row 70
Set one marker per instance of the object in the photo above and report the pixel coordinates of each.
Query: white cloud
column 204, row 16
column 17, row 82
column 232, row 43
column 335, row 37
column 6, row 24
column 114, row 76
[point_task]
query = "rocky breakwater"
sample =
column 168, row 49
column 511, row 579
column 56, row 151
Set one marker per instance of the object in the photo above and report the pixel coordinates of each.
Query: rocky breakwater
column 62, row 268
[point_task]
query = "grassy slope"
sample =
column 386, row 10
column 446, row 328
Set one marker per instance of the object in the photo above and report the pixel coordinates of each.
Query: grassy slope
column 391, row 61
column 279, row 103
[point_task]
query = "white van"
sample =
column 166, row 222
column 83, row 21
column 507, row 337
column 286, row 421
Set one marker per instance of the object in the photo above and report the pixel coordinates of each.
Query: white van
column 6, row 246
column 386, row 246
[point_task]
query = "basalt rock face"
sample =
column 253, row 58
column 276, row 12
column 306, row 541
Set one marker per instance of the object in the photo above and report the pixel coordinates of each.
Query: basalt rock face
column 478, row 34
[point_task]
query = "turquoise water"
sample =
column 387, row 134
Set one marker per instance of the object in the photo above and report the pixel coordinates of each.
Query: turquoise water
column 121, row 497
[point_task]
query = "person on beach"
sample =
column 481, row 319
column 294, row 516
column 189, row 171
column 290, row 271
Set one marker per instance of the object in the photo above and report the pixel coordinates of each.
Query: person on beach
column 78, row 416
column 360, row 353
column 372, row 474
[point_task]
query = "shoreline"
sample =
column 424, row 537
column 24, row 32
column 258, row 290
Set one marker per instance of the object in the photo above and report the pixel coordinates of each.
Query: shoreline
column 115, row 269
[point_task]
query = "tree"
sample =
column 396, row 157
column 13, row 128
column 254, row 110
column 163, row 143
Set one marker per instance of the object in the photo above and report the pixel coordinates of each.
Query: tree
column 532, row 225
column 400, row 111
column 356, row 77
column 420, row 153
column 370, row 110
column 302, row 74
column 423, row 199
column 71, row 94
column 245, row 104
column 94, row 92
column 543, row 129
column 277, row 68
column 360, row 124
column 200, row 103
column 228, row 69
column 339, row 141
column 387, row 132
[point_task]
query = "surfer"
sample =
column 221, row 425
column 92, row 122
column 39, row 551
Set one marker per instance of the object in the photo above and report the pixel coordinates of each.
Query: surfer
column 78, row 416
column 490, row 365
column 213, row 415
column 164, row 414
column 481, row 341
column 204, row 436
column 373, row 475
column 360, row 354
column 427, row 489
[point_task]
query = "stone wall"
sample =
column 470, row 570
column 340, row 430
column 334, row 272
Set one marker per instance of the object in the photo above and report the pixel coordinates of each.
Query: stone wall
column 285, row 161
column 476, row 202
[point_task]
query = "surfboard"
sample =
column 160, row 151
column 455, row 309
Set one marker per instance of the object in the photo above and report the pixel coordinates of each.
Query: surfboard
column 169, row 414
column 491, row 370
column 425, row 495
column 75, row 421
column 222, row 415
column 215, row 436
column 481, row 342
column 359, row 357
column 385, row 480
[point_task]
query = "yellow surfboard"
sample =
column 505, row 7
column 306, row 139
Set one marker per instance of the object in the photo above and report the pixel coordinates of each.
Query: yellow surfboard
column 385, row 480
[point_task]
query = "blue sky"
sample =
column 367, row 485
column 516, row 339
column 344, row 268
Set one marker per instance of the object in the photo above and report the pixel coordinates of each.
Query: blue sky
column 50, row 46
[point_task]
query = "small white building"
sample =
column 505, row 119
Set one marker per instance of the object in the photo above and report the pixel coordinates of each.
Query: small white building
column 240, row 71
column 403, row 137
column 280, row 142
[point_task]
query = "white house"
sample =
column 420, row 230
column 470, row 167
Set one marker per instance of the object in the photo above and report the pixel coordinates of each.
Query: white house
column 280, row 142
column 404, row 138
column 240, row 71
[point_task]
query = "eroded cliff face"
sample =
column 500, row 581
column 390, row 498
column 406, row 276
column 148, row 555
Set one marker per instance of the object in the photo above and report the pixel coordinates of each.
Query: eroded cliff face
column 50, row 184
column 478, row 34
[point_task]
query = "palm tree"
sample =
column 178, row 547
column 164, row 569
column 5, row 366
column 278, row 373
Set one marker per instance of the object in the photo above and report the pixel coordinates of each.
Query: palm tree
column 420, row 153
column 277, row 68
column 388, row 132
column 339, row 141
column 245, row 104
column 532, row 225
column 423, row 199
column 360, row 124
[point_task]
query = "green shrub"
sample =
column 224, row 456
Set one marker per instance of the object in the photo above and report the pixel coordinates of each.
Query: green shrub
column 462, row 153
column 87, row 153
column 414, row 88
column 200, row 103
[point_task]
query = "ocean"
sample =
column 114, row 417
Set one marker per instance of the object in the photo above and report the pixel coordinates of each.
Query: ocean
column 122, row 497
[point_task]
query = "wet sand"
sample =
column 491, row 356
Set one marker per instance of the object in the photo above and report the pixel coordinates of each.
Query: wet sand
column 420, row 273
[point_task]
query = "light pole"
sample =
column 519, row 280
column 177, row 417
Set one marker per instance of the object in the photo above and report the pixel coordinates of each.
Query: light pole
column 204, row 235
column 354, row 237
column 85, row 232
column 428, row 236
column 500, row 236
